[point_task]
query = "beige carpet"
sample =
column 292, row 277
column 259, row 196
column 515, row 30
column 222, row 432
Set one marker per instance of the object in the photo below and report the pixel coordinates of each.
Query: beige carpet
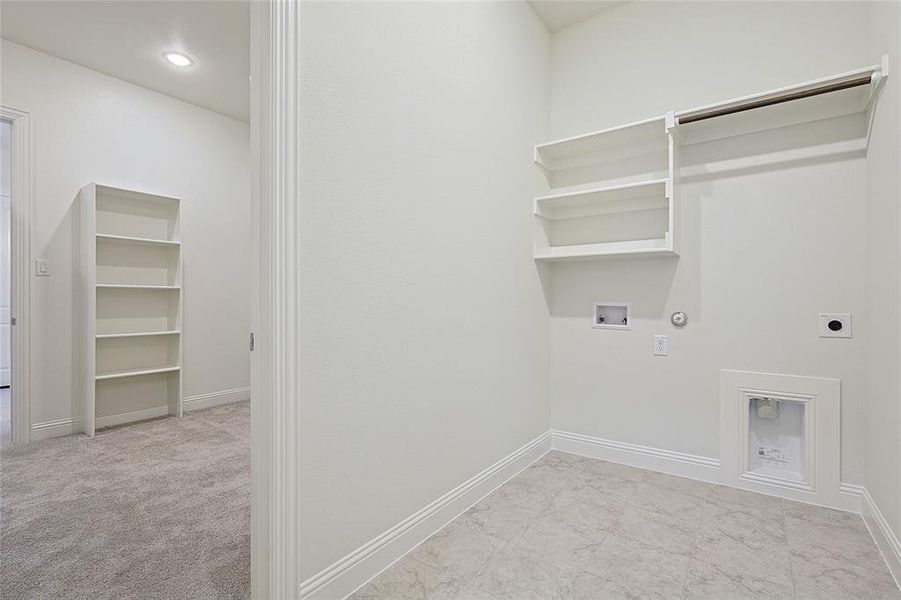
column 153, row 510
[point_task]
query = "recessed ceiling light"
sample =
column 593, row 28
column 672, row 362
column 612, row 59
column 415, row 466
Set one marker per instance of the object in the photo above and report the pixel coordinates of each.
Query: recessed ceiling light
column 178, row 59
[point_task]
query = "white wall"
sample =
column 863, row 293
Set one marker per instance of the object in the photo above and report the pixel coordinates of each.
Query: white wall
column 89, row 127
column 763, row 249
column 883, row 426
column 424, row 323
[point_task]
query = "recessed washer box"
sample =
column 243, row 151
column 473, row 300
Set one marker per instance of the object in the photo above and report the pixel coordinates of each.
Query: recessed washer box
column 612, row 315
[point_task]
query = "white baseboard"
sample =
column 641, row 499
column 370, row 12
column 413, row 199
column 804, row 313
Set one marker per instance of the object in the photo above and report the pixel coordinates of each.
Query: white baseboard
column 130, row 416
column 52, row 429
column 216, row 398
column 701, row 468
column 61, row 427
column 354, row 570
column 644, row 457
column 882, row 533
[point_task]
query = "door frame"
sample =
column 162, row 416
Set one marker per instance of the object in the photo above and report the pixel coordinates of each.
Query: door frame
column 275, row 301
column 21, row 211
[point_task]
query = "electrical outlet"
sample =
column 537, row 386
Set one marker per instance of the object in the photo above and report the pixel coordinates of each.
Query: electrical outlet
column 836, row 325
column 661, row 345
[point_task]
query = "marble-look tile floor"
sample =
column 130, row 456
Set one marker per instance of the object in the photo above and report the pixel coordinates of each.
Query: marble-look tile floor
column 576, row 528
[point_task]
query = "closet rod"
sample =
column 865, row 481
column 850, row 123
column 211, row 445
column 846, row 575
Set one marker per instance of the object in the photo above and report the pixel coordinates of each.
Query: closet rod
column 807, row 93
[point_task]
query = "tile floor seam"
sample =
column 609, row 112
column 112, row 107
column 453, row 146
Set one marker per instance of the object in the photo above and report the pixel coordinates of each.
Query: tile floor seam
column 791, row 562
column 691, row 557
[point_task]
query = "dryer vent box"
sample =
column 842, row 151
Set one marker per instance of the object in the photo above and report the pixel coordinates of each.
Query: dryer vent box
column 836, row 325
column 612, row 315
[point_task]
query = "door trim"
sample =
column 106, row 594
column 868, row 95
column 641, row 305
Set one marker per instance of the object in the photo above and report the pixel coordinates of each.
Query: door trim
column 275, row 301
column 21, row 211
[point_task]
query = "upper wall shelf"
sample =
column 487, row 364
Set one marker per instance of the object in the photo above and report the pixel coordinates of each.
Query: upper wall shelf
column 615, row 190
column 643, row 195
column 128, row 215
column 848, row 93
column 641, row 137
column 656, row 247
column 613, row 193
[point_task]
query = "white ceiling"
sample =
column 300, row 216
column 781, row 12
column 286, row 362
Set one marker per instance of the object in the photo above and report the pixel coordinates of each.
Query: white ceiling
column 558, row 14
column 127, row 40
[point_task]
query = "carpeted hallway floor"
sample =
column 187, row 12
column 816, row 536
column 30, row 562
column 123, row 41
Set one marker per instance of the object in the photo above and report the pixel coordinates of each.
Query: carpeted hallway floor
column 155, row 510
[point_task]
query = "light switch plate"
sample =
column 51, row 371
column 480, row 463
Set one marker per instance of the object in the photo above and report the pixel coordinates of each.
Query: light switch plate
column 42, row 267
column 835, row 325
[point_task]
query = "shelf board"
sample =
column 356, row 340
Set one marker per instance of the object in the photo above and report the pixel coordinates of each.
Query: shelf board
column 640, row 137
column 653, row 247
column 109, row 190
column 629, row 197
column 119, row 286
column 781, row 107
column 110, row 336
column 135, row 373
column 136, row 240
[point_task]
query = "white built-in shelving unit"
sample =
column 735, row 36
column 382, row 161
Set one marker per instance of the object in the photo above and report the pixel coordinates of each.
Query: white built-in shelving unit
column 130, row 291
column 613, row 192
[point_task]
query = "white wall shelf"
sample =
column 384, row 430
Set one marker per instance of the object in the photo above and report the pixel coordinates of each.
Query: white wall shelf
column 794, row 104
column 657, row 247
column 643, row 195
column 135, row 240
column 612, row 193
column 125, row 286
column 138, row 373
column 110, row 336
column 130, row 282
column 640, row 137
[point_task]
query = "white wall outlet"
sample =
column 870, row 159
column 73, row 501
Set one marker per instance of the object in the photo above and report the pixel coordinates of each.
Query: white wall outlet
column 42, row 267
column 661, row 345
column 835, row 325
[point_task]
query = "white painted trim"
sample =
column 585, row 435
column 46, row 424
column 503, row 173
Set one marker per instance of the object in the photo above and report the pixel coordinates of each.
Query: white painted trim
column 58, row 428
column 852, row 498
column 882, row 533
column 61, row 427
column 22, row 210
column 130, row 416
column 644, row 457
column 216, row 398
column 360, row 566
column 275, row 300
column 701, row 468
